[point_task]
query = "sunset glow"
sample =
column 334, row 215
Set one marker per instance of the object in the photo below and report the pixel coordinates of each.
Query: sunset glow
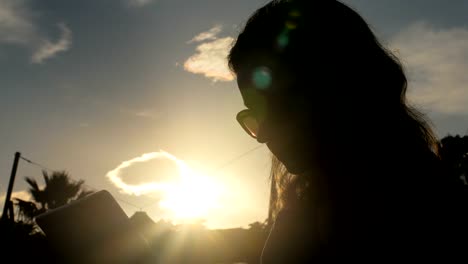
column 189, row 195
column 138, row 98
column 192, row 197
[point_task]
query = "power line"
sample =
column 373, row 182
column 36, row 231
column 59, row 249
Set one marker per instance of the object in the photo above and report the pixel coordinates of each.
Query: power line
column 128, row 203
column 152, row 203
column 222, row 165
column 35, row 163
column 235, row 159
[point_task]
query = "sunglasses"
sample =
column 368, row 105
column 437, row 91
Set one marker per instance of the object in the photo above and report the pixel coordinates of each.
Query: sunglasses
column 248, row 122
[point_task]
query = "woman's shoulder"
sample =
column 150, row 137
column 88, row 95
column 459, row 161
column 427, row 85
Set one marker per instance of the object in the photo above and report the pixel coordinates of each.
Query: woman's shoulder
column 293, row 237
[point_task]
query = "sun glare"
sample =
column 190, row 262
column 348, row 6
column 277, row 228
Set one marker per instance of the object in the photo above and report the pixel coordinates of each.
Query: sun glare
column 192, row 197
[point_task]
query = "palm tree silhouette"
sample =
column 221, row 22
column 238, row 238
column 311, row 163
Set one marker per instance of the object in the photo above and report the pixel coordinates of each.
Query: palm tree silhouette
column 258, row 226
column 25, row 211
column 59, row 189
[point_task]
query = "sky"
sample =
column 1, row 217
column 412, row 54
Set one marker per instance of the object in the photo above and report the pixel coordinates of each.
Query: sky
column 134, row 96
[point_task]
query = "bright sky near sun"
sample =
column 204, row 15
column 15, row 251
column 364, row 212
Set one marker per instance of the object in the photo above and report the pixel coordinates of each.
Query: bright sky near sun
column 134, row 96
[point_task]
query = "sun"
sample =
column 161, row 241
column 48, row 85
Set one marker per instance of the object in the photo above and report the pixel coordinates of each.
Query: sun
column 191, row 197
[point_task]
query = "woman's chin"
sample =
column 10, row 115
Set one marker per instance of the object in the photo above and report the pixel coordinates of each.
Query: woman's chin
column 295, row 167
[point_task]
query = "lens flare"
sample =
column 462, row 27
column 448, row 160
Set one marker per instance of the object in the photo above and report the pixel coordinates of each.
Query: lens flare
column 262, row 78
column 295, row 13
column 290, row 25
column 283, row 40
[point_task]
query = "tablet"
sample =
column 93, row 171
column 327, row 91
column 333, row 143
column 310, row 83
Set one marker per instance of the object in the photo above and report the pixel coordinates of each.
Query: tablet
column 90, row 229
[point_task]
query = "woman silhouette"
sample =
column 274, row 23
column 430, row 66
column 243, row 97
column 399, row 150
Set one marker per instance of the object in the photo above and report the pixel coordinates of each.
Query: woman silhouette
column 356, row 170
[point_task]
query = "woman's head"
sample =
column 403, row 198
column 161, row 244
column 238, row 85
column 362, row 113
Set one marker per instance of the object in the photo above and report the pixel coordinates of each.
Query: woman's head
column 317, row 81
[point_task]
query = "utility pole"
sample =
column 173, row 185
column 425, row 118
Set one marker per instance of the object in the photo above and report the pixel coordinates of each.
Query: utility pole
column 10, row 186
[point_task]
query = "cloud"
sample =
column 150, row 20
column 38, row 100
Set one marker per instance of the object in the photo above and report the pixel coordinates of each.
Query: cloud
column 211, row 60
column 23, row 195
column 149, row 187
column 48, row 49
column 138, row 3
column 207, row 35
column 437, row 65
column 185, row 193
column 141, row 113
column 145, row 113
column 18, row 26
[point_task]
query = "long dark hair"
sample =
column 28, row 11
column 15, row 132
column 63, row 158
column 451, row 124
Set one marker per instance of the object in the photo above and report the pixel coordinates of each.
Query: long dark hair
column 356, row 85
